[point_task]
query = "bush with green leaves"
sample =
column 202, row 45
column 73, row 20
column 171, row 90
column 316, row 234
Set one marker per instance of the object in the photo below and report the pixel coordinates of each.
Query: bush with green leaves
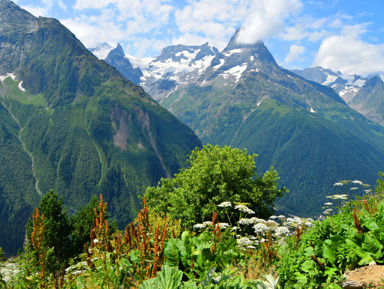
column 215, row 175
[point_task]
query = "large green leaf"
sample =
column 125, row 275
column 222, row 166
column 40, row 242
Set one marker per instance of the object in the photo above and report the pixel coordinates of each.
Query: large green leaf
column 365, row 257
column 372, row 245
column 172, row 252
column 329, row 252
column 167, row 278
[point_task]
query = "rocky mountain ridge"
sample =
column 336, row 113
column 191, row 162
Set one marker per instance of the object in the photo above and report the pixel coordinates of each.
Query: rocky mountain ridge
column 364, row 94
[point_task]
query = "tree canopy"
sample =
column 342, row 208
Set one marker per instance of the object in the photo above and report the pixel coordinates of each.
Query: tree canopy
column 215, row 175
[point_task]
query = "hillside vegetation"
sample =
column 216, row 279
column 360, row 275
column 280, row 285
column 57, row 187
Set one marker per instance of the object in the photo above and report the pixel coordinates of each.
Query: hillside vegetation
column 236, row 248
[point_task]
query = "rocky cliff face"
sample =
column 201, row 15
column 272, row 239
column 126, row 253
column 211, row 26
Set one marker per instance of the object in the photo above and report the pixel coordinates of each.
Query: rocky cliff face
column 117, row 58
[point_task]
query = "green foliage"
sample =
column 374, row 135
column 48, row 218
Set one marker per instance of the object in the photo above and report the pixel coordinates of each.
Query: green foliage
column 167, row 278
column 215, row 175
column 57, row 232
column 195, row 254
column 170, row 278
column 82, row 223
column 349, row 239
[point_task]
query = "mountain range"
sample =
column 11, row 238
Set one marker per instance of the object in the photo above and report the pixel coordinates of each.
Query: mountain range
column 72, row 123
column 243, row 98
column 364, row 94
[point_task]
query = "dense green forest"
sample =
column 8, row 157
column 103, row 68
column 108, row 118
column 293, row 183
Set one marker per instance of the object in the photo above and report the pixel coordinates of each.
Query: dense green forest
column 237, row 245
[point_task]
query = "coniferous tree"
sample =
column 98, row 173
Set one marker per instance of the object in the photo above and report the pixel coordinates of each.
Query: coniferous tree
column 57, row 232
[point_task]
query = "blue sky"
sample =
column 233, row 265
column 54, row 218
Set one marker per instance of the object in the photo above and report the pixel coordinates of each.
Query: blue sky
column 344, row 35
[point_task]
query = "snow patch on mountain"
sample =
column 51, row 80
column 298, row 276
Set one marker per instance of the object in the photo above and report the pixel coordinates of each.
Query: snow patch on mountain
column 11, row 75
column 230, row 52
column 330, row 79
column 216, row 67
column 20, row 86
column 235, row 71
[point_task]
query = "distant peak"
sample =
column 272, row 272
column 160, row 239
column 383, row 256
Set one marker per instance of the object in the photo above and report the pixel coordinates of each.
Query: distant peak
column 119, row 50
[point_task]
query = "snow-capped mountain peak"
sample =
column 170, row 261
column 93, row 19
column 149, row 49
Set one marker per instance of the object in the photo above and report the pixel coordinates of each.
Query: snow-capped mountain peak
column 101, row 50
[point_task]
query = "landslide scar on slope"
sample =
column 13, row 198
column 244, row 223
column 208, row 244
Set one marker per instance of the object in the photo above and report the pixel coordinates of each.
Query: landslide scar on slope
column 122, row 133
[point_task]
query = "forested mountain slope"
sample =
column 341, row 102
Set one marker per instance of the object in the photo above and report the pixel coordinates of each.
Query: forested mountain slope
column 72, row 123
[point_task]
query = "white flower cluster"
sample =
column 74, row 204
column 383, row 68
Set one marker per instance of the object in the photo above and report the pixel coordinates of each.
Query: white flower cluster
column 260, row 228
column 357, row 182
column 338, row 197
column 278, row 226
column 244, row 209
column 245, row 242
column 327, row 211
column 199, row 226
column 338, row 184
column 225, row 204
column 282, row 231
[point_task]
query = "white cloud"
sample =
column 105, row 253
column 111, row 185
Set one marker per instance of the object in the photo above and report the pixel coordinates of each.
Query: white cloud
column 36, row 10
column 267, row 19
column 294, row 53
column 211, row 20
column 62, row 5
column 95, row 4
column 90, row 33
column 347, row 53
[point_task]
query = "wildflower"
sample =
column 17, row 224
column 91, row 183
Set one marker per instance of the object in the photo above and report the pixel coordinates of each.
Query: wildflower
column 244, row 209
column 357, row 182
column 280, row 231
column 328, row 204
column 225, row 204
column 223, row 225
column 257, row 220
column 310, row 220
column 367, row 191
column 271, row 222
column 281, row 217
column 327, row 211
column 273, row 217
column 338, row 184
column 244, row 242
column 234, row 228
column 251, row 247
column 207, row 223
column 354, row 188
column 245, row 221
column 260, row 227
column 199, row 226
